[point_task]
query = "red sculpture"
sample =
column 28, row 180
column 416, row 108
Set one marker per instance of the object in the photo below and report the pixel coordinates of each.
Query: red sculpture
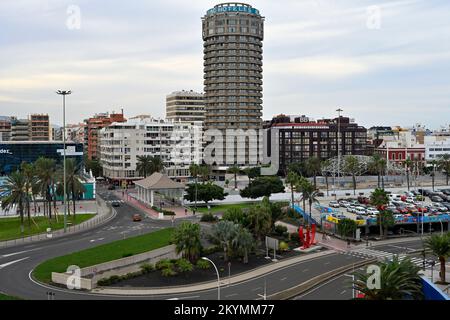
column 308, row 239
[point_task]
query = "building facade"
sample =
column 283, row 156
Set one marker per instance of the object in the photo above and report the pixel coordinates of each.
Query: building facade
column 177, row 144
column 92, row 130
column 436, row 146
column 39, row 126
column 185, row 106
column 5, row 128
column 233, row 35
column 288, row 141
column 20, row 129
column 13, row 153
column 401, row 146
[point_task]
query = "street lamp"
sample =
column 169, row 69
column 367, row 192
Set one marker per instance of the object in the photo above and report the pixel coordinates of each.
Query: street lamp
column 353, row 282
column 218, row 277
column 64, row 94
column 339, row 143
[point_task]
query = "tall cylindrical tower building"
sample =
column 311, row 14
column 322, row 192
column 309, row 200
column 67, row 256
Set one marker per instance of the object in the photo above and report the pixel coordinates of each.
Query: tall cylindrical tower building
column 233, row 35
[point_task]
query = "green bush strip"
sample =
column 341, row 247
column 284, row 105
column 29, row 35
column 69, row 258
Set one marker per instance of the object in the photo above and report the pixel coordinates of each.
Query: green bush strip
column 5, row 297
column 10, row 227
column 224, row 207
column 104, row 253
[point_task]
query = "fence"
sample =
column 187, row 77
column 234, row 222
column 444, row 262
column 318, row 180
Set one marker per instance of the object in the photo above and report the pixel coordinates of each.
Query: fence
column 305, row 216
column 104, row 214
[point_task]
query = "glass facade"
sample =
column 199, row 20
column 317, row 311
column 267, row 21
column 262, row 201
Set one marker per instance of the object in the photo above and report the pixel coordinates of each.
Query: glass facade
column 13, row 154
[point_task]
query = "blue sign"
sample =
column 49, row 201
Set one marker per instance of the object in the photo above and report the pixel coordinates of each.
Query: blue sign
column 233, row 9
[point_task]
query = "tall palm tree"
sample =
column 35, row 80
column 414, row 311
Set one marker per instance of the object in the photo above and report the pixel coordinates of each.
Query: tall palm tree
column 325, row 164
column 433, row 164
column 74, row 187
column 399, row 280
column 143, row 165
column 440, row 246
column 379, row 199
column 244, row 242
column 46, row 173
column 187, row 240
column 309, row 194
column 30, row 184
column 302, row 185
column 205, row 172
column 292, row 180
column 313, row 167
column 15, row 194
column 378, row 165
column 352, row 166
column 260, row 221
column 234, row 170
column 444, row 166
column 223, row 233
column 409, row 164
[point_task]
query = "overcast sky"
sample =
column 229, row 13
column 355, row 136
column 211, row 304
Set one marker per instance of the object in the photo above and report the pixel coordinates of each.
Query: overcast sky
column 318, row 55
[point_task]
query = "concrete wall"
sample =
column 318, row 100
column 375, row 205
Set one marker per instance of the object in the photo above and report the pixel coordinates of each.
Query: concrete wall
column 90, row 275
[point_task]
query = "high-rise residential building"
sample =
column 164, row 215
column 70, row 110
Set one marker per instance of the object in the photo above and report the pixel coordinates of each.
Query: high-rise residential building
column 233, row 35
column 5, row 128
column 185, row 106
column 289, row 140
column 177, row 144
column 39, row 127
column 92, row 129
column 20, row 129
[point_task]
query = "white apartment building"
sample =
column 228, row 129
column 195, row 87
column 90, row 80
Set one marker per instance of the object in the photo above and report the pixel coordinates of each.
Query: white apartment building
column 436, row 146
column 177, row 144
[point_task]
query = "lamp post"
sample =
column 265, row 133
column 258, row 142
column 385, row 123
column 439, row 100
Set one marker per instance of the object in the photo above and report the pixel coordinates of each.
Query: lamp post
column 64, row 94
column 218, row 277
column 339, row 143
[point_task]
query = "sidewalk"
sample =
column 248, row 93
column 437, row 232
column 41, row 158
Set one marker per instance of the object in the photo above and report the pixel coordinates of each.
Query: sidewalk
column 213, row 284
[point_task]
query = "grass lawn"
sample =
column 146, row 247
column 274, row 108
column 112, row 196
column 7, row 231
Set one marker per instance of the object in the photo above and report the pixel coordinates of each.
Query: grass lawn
column 10, row 227
column 104, row 253
column 222, row 208
column 5, row 297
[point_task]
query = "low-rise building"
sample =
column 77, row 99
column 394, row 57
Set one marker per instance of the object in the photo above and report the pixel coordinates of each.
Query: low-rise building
column 185, row 106
column 436, row 146
column 177, row 144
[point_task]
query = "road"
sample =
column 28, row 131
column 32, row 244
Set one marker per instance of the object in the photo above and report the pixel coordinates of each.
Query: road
column 17, row 263
column 339, row 288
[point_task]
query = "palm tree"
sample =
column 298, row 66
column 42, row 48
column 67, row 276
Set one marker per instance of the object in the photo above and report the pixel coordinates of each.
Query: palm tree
column 351, row 166
column 156, row 164
column 75, row 188
column 234, row 170
column 292, row 180
column 310, row 194
column 378, row 165
column 223, row 233
column 205, row 172
column 433, row 171
column 313, row 167
column 15, row 194
column 260, row 221
column 187, row 240
column 440, row 246
column 194, row 169
column 144, row 164
column 409, row 164
column 398, row 280
column 444, row 166
column 325, row 164
column 302, row 185
column 46, row 173
column 244, row 242
column 30, row 182
column 379, row 199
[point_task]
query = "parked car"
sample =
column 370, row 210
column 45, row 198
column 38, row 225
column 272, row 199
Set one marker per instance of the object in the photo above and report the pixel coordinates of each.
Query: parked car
column 363, row 200
column 334, row 204
column 115, row 204
column 372, row 211
column 137, row 217
column 360, row 210
column 436, row 199
column 446, row 204
column 424, row 192
column 111, row 187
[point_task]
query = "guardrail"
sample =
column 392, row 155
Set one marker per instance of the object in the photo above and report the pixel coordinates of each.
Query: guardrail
column 305, row 216
column 104, row 214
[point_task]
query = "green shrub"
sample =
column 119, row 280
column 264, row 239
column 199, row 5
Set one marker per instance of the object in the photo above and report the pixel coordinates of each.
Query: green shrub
column 203, row 264
column 211, row 250
column 184, row 265
column 104, row 282
column 168, row 213
column 147, row 268
column 208, row 217
column 163, row 264
column 168, row 272
column 126, row 255
column 295, row 237
column 279, row 230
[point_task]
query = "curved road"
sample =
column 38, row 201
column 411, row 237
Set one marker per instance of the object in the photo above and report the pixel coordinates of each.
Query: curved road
column 17, row 263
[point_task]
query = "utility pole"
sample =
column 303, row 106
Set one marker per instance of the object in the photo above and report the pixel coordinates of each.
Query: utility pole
column 339, row 143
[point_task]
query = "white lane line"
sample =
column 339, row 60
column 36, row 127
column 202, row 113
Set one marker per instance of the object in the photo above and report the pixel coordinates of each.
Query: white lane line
column 181, row 298
column 256, row 289
column 231, row 295
column 343, row 292
column 12, row 262
column 15, row 253
column 282, row 279
column 326, row 263
column 305, row 270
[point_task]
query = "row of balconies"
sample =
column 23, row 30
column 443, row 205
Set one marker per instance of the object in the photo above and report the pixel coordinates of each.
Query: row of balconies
column 237, row 54
column 227, row 48
column 214, row 81
column 232, row 59
column 230, row 86
column 227, row 66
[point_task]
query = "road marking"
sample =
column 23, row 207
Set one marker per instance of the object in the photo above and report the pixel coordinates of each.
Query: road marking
column 343, row 292
column 326, row 263
column 15, row 253
column 305, row 270
column 282, row 279
column 231, row 295
column 256, row 289
column 12, row 262
column 181, row 298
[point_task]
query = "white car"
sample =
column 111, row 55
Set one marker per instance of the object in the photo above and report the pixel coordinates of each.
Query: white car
column 410, row 200
column 360, row 211
column 372, row 211
column 334, row 204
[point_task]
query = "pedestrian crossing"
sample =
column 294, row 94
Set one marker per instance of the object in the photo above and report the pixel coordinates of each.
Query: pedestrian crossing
column 367, row 253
